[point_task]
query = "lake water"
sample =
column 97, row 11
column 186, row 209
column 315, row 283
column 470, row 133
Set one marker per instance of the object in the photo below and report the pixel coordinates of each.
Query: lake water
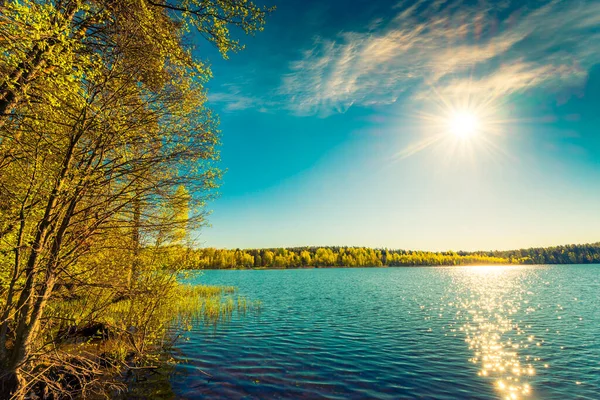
column 399, row 333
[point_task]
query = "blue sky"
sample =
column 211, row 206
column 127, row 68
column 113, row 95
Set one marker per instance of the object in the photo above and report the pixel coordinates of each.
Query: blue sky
column 336, row 126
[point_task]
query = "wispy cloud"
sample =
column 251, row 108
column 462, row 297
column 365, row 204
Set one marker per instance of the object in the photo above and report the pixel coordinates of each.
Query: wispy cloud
column 232, row 97
column 455, row 47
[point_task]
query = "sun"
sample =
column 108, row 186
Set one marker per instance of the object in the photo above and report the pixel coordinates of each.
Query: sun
column 461, row 124
column 464, row 124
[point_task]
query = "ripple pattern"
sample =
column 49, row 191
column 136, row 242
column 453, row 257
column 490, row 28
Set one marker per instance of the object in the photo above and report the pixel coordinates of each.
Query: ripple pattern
column 402, row 333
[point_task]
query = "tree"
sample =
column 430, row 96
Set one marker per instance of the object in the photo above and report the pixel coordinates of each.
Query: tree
column 38, row 35
column 175, row 216
column 305, row 258
column 102, row 121
column 268, row 258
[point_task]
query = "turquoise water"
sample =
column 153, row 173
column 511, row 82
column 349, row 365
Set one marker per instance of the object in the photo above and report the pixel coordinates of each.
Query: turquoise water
column 399, row 333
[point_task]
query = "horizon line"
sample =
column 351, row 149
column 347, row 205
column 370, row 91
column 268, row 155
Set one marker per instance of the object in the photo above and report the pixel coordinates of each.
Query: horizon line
column 398, row 249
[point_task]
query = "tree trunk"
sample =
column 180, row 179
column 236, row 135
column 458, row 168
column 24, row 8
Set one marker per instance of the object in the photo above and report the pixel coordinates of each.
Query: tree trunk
column 20, row 78
column 31, row 303
column 9, row 383
column 135, row 236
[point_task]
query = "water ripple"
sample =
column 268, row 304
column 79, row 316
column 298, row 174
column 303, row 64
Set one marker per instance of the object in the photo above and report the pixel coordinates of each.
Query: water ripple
column 427, row 333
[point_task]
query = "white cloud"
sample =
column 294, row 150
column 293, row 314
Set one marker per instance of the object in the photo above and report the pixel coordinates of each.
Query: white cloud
column 452, row 46
column 231, row 98
column 232, row 101
column 510, row 78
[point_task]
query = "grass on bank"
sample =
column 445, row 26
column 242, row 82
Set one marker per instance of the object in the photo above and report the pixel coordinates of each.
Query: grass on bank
column 98, row 338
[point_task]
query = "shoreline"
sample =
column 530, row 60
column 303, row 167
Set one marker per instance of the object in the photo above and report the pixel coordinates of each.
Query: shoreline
column 385, row 266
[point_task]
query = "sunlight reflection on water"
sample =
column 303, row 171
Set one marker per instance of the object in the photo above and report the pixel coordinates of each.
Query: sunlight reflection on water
column 487, row 299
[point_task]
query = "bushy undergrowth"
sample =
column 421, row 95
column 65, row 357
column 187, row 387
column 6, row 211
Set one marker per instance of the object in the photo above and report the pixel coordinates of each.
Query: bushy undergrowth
column 96, row 337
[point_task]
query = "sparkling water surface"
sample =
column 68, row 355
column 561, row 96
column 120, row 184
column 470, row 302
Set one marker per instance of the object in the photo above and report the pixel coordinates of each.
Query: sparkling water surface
column 523, row 332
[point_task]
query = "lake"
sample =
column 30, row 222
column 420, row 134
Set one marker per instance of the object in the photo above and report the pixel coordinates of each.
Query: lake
column 522, row 332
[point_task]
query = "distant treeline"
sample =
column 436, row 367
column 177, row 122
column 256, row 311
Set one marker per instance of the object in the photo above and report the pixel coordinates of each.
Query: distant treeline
column 298, row 257
column 569, row 254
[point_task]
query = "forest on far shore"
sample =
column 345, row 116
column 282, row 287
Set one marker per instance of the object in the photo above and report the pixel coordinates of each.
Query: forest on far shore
column 333, row 256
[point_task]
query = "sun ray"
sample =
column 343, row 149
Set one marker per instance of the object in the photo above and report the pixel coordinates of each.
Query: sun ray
column 469, row 122
column 417, row 147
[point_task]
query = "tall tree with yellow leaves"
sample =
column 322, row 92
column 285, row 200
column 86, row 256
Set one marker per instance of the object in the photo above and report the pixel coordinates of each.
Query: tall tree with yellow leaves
column 102, row 119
